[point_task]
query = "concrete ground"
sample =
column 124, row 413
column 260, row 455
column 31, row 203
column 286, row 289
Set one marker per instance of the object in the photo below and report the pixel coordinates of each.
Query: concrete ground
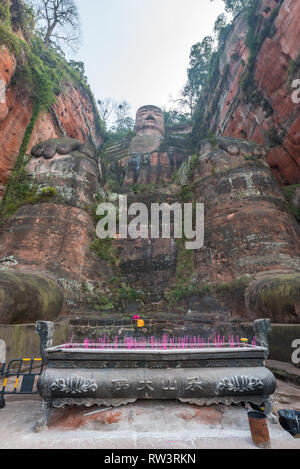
column 143, row 425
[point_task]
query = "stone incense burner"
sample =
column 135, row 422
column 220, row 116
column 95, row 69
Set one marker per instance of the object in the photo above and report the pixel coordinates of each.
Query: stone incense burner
column 112, row 376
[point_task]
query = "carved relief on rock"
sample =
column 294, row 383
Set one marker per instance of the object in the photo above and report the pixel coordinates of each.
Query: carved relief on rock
column 149, row 120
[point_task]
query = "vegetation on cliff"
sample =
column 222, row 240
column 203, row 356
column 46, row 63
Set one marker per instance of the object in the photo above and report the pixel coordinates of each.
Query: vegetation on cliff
column 207, row 75
column 232, row 292
column 42, row 69
column 289, row 193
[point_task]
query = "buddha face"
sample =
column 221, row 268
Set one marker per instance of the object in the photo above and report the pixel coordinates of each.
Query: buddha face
column 149, row 120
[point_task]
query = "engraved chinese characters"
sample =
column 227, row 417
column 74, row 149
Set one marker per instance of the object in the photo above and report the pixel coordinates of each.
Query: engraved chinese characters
column 120, row 384
column 112, row 377
column 167, row 385
column 193, row 384
column 76, row 385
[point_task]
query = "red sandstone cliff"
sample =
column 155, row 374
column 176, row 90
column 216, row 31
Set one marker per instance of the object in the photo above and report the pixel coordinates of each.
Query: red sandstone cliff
column 263, row 111
column 249, row 228
column 73, row 114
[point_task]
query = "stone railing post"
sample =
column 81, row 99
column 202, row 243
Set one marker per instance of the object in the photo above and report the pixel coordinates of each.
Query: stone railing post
column 262, row 328
column 46, row 332
column 2, row 356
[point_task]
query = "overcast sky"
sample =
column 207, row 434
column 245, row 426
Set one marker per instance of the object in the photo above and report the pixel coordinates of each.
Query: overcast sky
column 138, row 50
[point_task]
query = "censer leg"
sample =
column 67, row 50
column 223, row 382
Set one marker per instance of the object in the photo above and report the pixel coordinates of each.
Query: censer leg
column 42, row 424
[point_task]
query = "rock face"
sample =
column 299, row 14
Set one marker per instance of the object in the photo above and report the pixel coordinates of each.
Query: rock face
column 67, row 170
column 72, row 115
column 276, row 296
column 250, row 263
column 54, row 239
column 28, row 296
column 249, row 228
column 248, row 223
column 254, row 102
column 69, row 166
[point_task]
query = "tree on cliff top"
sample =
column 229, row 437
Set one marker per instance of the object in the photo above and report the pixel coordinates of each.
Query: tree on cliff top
column 117, row 118
column 236, row 6
column 123, row 121
column 58, row 21
column 200, row 58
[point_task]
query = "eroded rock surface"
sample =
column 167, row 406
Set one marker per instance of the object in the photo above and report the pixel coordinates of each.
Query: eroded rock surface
column 70, row 167
column 27, row 297
column 276, row 296
column 249, row 227
column 55, row 239
column 256, row 103
column 72, row 115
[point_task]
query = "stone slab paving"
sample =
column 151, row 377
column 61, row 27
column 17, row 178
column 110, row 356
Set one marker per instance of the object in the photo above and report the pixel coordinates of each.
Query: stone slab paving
column 143, row 425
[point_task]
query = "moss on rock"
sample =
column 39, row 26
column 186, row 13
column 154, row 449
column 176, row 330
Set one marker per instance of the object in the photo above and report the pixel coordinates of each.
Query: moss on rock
column 26, row 298
column 276, row 297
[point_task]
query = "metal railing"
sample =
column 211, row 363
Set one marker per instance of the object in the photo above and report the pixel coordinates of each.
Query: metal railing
column 25, row 371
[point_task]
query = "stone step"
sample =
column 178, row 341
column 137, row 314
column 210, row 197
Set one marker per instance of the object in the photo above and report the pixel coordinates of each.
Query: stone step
column 285, row 371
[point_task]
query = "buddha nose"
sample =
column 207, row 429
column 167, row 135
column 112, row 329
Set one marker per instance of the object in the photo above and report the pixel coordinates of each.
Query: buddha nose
column 150, row 118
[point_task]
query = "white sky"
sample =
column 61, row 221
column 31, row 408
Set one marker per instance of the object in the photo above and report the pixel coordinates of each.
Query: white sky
column 138, row 50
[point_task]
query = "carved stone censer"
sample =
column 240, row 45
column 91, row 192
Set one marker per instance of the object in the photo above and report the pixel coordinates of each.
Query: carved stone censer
column 86, row 376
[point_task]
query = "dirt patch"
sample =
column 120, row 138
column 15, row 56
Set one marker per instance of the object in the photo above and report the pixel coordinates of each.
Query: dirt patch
column 204, row 415
column 74, row 418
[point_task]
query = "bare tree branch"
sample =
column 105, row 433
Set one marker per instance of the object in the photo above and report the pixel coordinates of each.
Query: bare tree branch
column 58, row 21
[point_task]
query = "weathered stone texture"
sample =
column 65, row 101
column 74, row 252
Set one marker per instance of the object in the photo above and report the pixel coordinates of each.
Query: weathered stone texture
column 276, row 296
column 72, row 115
column 28, row 298
column 248, row 225
column 75, row 177
column 55, row 239
column 264, row 113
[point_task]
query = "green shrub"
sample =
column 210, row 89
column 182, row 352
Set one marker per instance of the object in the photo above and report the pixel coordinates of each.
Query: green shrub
column 234, row 290
column 104, row 249
column 186, row 194
column 289, row 192
column 5, row 13
column 126, row 293
column 42, row 71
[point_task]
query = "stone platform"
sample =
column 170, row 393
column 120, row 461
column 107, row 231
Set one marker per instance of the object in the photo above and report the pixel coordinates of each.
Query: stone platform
column 142, row 425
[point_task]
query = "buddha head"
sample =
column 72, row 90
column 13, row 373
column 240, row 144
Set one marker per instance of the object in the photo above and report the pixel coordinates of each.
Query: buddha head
column 149, row 120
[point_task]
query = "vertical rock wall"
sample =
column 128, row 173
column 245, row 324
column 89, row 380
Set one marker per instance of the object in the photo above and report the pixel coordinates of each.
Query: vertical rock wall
column 263, row 111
